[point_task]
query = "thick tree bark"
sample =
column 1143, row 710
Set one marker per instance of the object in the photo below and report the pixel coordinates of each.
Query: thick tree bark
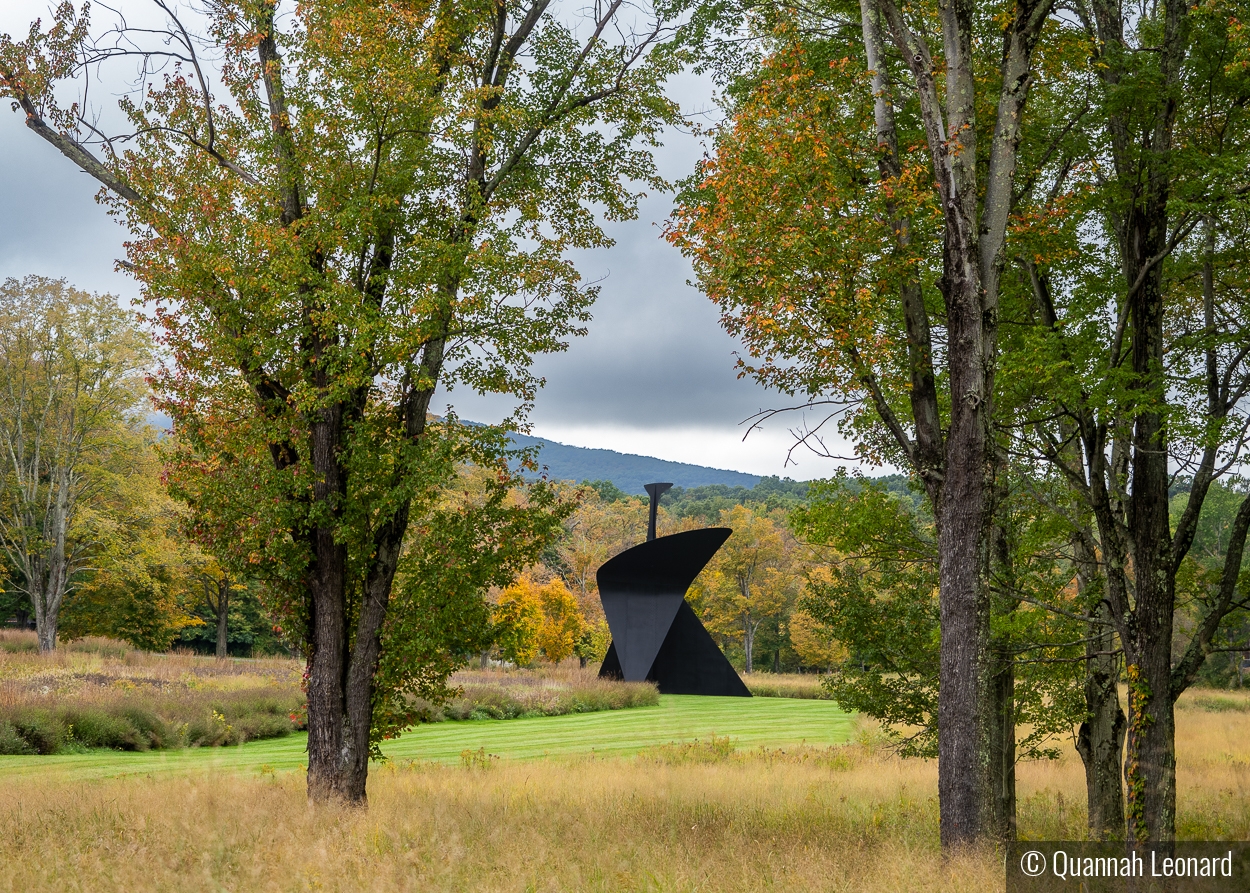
column 343, row 663
column 1150, row 768
column 964, row 609
column 342, row 668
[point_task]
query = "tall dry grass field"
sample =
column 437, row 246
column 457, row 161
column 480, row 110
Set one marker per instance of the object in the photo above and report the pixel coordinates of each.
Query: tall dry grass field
column 1212, row 770
column 680, row 818
column 642, row 824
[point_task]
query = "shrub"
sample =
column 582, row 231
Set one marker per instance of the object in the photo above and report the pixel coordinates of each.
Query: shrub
column 97, row 728
column 152, row 731
column 12, row 743
column 43, row 732
column 213, row 731
column 524, row 693
column 200, row 733
column 255, row 726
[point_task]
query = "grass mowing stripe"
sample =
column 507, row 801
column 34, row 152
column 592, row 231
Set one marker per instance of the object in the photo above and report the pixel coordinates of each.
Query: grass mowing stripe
column 773, row 722
column 678, row 718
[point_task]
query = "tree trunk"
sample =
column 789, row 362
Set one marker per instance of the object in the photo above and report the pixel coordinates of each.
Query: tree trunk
column 47, row 594
column 223, row 615
column 963, row 769
column 958, row 473
column 962, row 732
column 47, row 576
column 45, row 629
column 1100, row 739
column 342, row 668
column 1150, row 758
column 330, row 763
column 1143, row 168
column 748, row 645
column 335, row 770
column 1002, row 743
column 1150, row 765
column 340, row 680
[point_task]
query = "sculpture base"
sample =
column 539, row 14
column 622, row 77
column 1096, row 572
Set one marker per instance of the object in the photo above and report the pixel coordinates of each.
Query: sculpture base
column 688, row 662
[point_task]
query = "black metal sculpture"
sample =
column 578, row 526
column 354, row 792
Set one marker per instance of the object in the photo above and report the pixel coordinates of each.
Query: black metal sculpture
column 655, row 633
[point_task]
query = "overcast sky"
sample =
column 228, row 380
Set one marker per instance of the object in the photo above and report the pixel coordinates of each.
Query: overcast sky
column 655, row 375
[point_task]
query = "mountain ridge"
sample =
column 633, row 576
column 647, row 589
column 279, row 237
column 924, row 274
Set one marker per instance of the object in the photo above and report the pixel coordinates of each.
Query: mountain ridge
column 628, row 471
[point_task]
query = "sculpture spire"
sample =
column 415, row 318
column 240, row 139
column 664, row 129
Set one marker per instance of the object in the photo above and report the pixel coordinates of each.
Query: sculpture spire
column 655, row 491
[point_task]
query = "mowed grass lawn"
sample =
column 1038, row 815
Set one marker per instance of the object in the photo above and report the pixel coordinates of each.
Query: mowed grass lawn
column 747, row 722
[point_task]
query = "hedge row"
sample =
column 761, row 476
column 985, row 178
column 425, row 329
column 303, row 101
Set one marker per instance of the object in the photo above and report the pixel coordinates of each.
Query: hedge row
column 73, row 728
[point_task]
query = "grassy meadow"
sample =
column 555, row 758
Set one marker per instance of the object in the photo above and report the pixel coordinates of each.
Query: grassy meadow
column 690, row 794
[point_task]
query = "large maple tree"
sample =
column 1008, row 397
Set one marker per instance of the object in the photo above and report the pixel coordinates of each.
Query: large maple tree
column 335, row 209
